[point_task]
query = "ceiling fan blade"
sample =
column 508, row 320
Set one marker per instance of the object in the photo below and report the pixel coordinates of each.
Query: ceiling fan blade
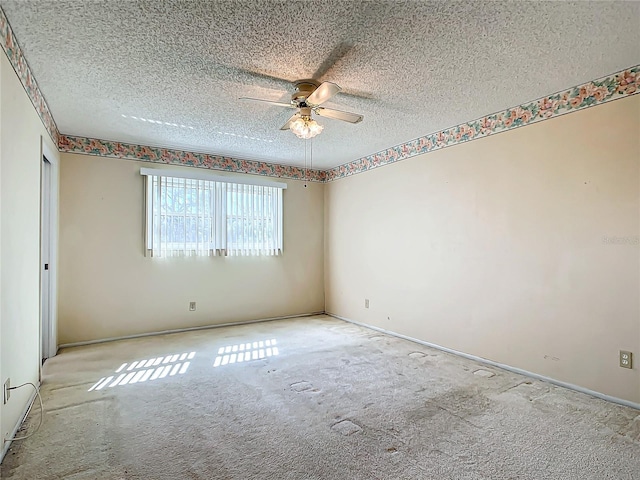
column 279, row 104
column 339, row 115
column 286, row 126
column 324, row 92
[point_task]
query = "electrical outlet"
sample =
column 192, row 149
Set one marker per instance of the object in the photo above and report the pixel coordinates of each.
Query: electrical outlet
column 192, row 306
column 366, row 303
column 625, row 359
column 6, row 391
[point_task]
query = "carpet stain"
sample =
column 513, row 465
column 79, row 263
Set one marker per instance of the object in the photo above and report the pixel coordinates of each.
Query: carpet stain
column 417, row 355
column 80, row 405
column 484, row 373
column 302, row 386
column 82, row 475
column 378, row 337
column 72, row 386
column 526, row 390
column 621, row 422
column 59, row 457
column 438, row 420
column 346, row 427
column 461, row 403
column 346, row 329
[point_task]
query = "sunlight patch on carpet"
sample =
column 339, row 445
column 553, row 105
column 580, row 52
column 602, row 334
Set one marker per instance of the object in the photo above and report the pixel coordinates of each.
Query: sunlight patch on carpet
column 148, row 369
column 245, row 352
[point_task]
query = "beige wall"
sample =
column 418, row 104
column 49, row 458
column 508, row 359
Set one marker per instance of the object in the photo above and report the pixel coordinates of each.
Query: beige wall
column 497, row 247
column 20, row 162
column 108, row 287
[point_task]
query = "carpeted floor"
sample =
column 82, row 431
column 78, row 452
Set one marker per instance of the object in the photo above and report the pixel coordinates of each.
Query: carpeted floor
column 327, row 400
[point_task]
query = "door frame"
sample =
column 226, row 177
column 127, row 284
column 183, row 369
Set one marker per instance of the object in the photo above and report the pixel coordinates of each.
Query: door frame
column 49, row 330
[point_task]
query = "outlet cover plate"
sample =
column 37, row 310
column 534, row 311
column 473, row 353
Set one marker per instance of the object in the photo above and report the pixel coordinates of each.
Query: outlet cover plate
column 626, row 359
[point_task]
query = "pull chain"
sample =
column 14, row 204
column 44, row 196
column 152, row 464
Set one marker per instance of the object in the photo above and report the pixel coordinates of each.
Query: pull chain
column 311, row 156
column 305, row 164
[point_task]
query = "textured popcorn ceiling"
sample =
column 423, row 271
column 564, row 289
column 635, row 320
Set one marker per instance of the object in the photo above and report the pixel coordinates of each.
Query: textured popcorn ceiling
column 410, row 68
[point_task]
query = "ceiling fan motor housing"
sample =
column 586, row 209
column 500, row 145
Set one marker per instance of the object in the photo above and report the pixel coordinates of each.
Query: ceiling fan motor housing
column 304, row 88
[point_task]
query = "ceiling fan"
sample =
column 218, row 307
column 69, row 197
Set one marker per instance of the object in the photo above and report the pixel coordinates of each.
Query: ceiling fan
column 307, row 99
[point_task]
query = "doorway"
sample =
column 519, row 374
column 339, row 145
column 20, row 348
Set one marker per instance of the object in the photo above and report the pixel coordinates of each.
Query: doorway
column 48, row 229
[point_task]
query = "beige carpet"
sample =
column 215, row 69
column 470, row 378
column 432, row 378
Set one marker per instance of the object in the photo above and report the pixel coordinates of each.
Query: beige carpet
column 323, row 399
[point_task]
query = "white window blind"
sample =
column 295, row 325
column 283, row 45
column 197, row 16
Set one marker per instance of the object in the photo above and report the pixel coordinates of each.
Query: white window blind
column 198, row 216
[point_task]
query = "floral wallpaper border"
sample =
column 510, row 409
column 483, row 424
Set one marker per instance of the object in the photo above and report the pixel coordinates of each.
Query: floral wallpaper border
column 21, row 67
column 105, row 148
column 612, row 87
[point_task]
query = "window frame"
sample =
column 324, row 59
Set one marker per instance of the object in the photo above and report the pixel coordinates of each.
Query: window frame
column 216, row 245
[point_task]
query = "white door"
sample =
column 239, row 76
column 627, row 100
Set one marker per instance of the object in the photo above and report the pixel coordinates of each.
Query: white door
column 45, row 263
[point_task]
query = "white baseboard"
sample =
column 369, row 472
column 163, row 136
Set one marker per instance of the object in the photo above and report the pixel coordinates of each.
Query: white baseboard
column 188, row 329
column 7, row 444
column 509, row 368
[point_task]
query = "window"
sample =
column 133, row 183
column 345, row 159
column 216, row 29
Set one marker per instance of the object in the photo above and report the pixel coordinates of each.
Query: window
column 196, row 214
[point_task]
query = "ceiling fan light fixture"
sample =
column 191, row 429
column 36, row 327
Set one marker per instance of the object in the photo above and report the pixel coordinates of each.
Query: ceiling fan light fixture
column 305, row 127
